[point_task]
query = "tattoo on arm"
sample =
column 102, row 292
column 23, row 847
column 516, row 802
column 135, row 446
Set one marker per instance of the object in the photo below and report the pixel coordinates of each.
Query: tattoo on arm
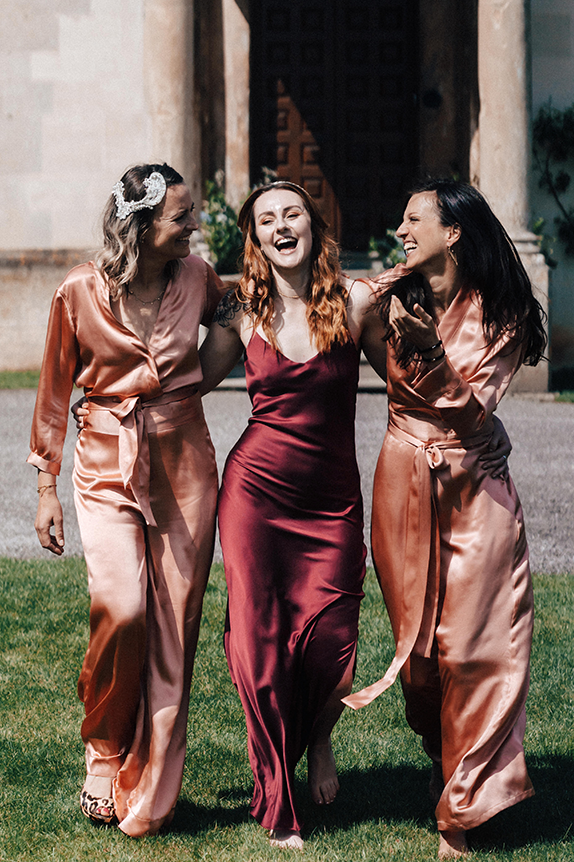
column 228, row 308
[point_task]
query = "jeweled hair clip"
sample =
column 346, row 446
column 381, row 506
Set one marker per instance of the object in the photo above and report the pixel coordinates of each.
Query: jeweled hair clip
column 155, row 190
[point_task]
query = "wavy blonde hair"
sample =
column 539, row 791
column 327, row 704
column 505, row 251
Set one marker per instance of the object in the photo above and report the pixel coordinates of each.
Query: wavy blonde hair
column 326, row 296
column 117, row 260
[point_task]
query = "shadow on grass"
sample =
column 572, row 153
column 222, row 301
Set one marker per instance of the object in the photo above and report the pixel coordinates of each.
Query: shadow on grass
column 400, row 795
column 193, row 819
column 547, row 817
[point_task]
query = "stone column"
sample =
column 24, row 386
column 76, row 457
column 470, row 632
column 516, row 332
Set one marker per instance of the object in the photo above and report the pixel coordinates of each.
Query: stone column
column 504, row 141
column 236, row 40
column 169, row 77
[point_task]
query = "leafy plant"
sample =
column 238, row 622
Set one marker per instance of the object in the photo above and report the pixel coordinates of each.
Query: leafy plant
column 268, row 175
column 553, row 136
column 546, row 241
column 219, row 223
column 388, row 250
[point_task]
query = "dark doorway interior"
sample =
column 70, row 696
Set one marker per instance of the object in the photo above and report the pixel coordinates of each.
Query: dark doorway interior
column 333, row 106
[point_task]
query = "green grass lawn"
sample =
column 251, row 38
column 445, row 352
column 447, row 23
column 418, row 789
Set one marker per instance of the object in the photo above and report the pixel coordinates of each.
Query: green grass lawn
column 29, row 380
column 382, row 812
column 19, row 379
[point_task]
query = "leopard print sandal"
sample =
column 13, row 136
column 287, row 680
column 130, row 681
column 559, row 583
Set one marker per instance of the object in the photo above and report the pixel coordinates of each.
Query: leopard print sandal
column 99, row 809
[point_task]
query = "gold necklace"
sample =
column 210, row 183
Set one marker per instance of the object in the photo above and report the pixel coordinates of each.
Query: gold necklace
column 289, row 295
column 147, row 301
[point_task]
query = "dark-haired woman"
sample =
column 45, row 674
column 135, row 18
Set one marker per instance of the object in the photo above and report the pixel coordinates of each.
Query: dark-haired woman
column 448, row 539
column 125, row 328
column 290, row 508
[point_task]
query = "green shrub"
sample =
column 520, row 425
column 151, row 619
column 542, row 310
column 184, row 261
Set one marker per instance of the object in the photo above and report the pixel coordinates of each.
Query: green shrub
column 553, row 137
column 388, row 250
column 219, row 224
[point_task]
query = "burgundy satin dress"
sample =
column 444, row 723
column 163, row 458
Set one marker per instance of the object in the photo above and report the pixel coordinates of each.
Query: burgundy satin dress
column 291, row 526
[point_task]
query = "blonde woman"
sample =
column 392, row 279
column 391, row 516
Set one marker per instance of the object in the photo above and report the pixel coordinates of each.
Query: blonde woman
column 125, row 328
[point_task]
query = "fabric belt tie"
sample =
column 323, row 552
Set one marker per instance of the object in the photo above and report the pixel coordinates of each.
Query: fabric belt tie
column 133, row 443
column 420, row 525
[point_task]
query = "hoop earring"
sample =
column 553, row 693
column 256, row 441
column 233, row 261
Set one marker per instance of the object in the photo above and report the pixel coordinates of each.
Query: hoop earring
column 452, row 255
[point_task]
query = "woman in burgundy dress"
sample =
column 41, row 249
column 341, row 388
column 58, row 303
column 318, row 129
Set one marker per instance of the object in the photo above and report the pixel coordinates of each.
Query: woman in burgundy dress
column 290, row 507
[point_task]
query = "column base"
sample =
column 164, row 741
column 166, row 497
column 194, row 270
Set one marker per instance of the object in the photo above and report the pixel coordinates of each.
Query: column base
column 533, row 379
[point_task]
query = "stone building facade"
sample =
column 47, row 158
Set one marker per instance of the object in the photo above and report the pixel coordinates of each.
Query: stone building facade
column 351, row 98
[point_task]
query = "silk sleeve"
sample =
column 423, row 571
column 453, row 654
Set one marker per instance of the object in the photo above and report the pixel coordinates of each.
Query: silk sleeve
column 59, row 365
column 465, row 404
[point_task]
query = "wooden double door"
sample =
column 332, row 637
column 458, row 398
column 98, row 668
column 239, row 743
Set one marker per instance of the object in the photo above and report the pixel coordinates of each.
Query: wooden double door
column 333, row 107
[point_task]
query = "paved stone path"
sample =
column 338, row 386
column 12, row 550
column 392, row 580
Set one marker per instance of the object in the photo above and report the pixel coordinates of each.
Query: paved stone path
column 542, row 465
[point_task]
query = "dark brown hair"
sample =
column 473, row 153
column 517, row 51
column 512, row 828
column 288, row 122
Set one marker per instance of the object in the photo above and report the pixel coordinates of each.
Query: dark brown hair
column 488, row 264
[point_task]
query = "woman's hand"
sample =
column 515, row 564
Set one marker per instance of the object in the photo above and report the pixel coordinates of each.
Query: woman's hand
column 495, row 461
column 420, row 330
column 80, row 409
column 50, row 515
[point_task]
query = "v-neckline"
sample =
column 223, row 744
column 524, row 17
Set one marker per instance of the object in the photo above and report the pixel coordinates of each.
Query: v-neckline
column 283, row 355
column 134, row 335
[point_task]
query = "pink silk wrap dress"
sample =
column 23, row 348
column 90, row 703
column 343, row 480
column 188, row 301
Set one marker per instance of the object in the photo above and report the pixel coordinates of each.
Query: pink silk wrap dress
column 291, row 527
column 145, row 485
column 450, row 552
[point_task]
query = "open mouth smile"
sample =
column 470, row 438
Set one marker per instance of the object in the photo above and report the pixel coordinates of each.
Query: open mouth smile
column 286, row 244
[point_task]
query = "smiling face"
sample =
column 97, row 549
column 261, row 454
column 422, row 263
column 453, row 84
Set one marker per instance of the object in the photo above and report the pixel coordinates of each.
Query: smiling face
column 283, row 229
column 425, row 239
column 167, row 237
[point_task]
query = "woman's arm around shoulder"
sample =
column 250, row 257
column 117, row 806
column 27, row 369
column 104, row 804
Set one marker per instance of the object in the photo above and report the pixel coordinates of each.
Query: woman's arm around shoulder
column 365, row 324
column 223, row 345
column 216, row 289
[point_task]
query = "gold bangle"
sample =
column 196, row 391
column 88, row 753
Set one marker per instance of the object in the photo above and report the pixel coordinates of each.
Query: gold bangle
column 43, row 487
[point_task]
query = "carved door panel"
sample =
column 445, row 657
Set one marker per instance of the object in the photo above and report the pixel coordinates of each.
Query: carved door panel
column 332, row 105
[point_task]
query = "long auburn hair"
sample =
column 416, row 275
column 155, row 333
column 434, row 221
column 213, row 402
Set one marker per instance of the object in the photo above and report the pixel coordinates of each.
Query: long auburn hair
column 488, row 264
column 117, row 260
column 326, row 296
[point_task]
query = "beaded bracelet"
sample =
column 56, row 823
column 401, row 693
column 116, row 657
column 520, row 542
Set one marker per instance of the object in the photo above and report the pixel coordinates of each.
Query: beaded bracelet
column 428, row 349
column 435, row 358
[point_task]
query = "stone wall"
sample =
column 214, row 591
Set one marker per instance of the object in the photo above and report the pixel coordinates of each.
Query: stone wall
column 74, row 116
column 27, row 284
column 87, row 88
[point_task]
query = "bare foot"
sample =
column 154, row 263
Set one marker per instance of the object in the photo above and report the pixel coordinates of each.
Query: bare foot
column 452, row 844
column 322, row 773
column 98, row 785
column 436, row 784
column 286, row 839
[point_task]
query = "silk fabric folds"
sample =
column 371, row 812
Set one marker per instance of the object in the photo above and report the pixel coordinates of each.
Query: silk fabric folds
column 291, row 528
column 451, row 556
column 145, row 491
